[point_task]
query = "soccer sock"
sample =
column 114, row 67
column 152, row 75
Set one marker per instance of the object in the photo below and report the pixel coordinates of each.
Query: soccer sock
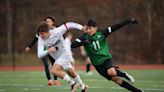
column 55, row 77
column 121, row 74
column 88, row 67
column 44, row 60
column 68, row 79
column 78, row 80
column 129, row 87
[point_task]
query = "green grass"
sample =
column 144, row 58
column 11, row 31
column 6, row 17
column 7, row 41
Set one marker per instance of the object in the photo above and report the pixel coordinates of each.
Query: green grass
column 26, row 81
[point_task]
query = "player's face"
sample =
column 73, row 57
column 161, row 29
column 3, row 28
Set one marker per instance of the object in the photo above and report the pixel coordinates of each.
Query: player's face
column 49, row 22
column 44, row 35
column 91, row 30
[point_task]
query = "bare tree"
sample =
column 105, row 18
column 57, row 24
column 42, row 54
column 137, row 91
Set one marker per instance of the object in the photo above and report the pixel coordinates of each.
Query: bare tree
column 148, row 7
column 9, row 26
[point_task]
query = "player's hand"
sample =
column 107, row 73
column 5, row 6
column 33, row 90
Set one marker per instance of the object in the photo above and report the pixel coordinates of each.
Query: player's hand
column 27, row 49
column 52, row 50
column 133, row 20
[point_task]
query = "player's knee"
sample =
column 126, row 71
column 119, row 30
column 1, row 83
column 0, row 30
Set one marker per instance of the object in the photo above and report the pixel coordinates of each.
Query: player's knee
column 112, row 72
column 72, row 73
column 117, row 80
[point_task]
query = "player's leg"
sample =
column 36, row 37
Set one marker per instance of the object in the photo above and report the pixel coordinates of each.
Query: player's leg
column 88, row 66
column 56, row 82
column 76, row 78
column 125, row 75
column 45, row 63
column 125, row 84
column 110, row 63
column 58, row 71
column 71, row 71
column 113, row 74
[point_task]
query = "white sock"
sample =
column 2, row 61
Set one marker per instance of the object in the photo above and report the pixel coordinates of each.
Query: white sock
column 68, row 79
column 77, row 79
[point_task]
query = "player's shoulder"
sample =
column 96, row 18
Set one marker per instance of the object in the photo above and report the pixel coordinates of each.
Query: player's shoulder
column 54, row 31
column 103, row 31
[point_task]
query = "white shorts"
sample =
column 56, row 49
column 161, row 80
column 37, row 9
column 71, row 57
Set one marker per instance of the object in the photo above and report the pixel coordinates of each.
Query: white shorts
column 65, row 61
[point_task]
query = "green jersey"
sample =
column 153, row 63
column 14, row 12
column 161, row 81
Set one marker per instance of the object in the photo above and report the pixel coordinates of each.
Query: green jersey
column 97, row 45
column 98, row 49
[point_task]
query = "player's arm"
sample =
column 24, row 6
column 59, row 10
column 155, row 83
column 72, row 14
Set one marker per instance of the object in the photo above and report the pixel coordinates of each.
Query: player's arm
column 33, row 41
column 27, row 49
column 41, row 51
column 80, row 41
column 69, row 25
column 115, row 27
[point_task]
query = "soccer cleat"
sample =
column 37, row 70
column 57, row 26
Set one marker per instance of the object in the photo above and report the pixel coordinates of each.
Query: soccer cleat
column 50, row 82
column 56, row 83
column 85, row 89
column 130, row 78
column 74, row 87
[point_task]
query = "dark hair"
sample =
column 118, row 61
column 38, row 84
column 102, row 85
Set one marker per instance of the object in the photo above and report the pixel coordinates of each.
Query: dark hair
column 42, row 27
column 48, row 17
column 91, row 23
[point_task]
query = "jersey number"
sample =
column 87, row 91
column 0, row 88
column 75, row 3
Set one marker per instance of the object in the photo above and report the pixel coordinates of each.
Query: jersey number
column 96, row 45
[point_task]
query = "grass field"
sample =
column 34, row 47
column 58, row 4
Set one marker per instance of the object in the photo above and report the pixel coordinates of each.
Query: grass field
column 28, row 81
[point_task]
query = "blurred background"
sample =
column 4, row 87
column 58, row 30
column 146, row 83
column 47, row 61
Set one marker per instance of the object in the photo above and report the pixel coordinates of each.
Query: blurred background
column 134, row 44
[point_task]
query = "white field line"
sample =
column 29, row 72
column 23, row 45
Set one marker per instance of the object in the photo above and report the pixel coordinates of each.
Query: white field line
column 67, row 87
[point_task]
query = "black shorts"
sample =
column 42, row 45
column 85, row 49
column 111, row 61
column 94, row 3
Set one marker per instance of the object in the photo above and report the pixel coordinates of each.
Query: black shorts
column 102, row 69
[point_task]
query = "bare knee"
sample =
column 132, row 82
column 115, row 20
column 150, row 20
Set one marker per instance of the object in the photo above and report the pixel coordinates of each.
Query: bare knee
column 72, row 73
column 117, row 80
column 111, row 72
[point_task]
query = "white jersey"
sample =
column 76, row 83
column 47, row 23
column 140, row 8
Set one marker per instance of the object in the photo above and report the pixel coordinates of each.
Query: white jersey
column 67, row 44
column 56, row 40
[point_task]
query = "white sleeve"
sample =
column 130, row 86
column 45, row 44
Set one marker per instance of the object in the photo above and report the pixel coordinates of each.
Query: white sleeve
column 109, row 29
column 69, row 25
column 41, row 51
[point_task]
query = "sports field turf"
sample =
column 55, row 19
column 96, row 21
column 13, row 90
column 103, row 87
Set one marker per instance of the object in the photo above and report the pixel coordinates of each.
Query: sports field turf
column 28, row 81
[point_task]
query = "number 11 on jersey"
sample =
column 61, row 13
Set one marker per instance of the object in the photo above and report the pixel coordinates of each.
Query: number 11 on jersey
column 96, row 45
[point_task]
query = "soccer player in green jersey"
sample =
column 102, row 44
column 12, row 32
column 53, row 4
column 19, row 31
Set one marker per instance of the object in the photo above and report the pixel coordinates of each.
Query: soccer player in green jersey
column 96, row 45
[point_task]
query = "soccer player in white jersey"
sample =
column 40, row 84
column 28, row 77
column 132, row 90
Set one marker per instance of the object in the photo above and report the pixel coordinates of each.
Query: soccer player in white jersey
column 51, row 24
column 52, row 42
